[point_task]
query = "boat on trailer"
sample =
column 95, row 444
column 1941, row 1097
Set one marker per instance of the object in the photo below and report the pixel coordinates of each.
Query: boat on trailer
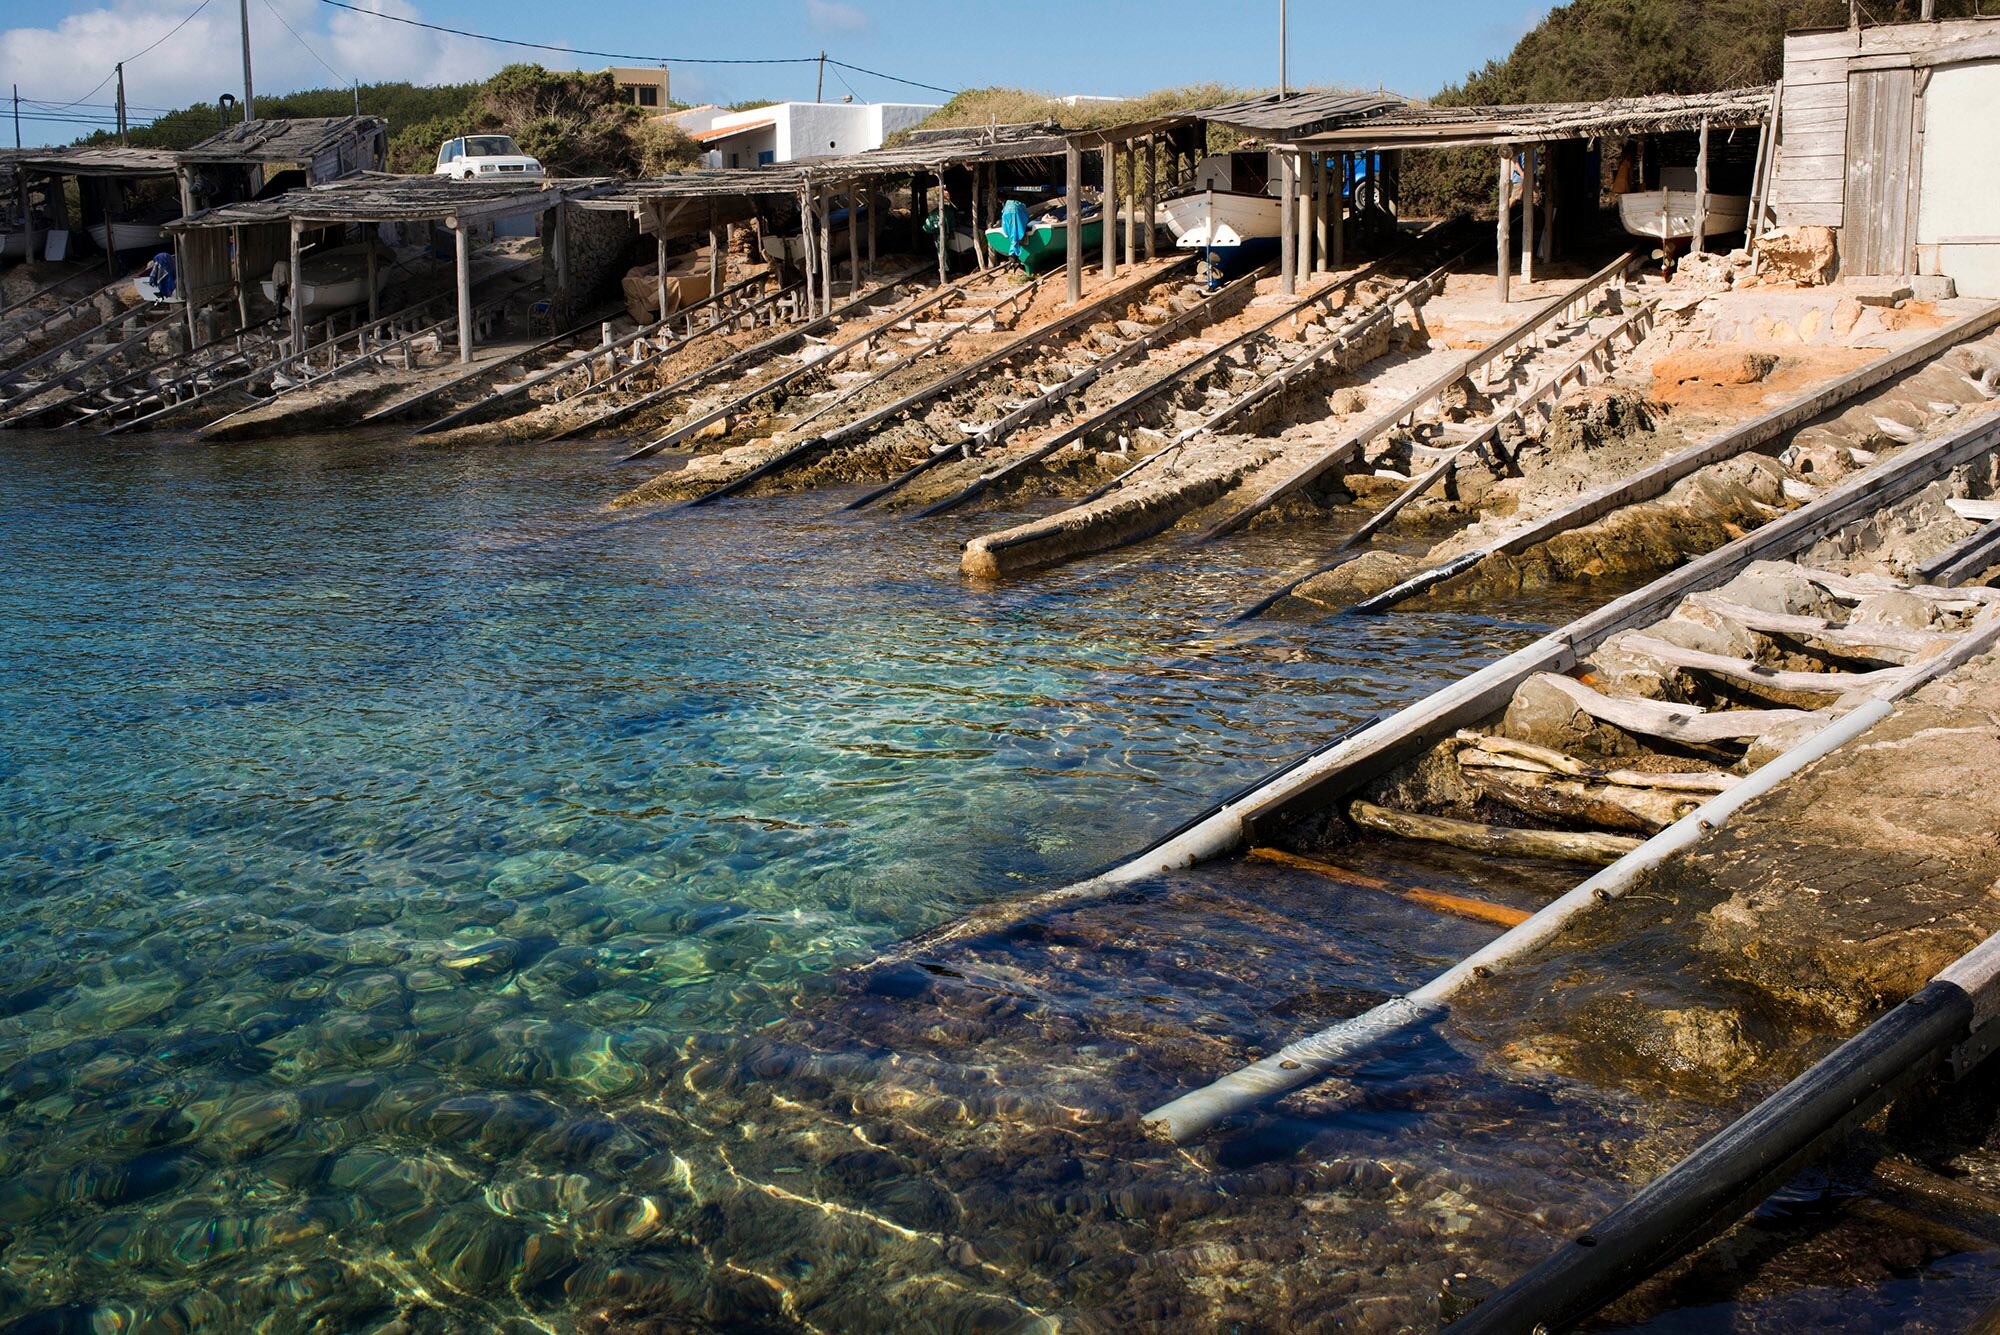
column 1232, row 210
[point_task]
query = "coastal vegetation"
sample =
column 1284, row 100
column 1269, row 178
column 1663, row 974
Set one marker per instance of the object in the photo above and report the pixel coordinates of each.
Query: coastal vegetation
column 575, row 122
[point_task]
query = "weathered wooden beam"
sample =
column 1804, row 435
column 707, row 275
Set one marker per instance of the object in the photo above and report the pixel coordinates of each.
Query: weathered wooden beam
column 1699, row 244
column 1152, row 191
column 1107, row 206
column 1554, row 845
column 1528, row 214
column 1504, row 263
column 1686, row 725
column 1288, row 211
column 1131, row 198
column 1073, row 214
column 296, row 288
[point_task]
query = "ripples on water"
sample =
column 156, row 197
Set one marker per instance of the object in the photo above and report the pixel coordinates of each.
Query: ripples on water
column 385, row 834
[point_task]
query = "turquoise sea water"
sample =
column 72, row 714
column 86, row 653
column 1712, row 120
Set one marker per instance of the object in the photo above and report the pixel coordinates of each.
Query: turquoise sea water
column 377, row 822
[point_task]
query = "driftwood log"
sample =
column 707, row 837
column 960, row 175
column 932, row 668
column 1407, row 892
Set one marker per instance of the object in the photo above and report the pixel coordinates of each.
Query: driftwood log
column 1688, row 725
column 1559, row 845
column 1555, row 786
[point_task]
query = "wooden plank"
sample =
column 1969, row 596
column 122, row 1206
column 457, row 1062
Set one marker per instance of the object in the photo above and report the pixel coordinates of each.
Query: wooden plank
column 1826, row 95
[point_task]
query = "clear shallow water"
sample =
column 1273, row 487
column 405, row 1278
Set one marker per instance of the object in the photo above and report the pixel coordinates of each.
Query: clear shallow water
column 378, row 827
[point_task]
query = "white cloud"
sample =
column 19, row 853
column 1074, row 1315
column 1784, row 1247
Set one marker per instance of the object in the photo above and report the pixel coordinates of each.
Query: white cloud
column 833, row 16
column 204, row 59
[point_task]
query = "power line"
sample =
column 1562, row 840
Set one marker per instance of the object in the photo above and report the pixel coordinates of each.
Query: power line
column 567, row 50
column 304, row 43
column 635, row 58
column 892, row 78
column 129, row 59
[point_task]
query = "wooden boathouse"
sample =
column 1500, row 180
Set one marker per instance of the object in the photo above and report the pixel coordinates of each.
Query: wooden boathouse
column 1885, row 136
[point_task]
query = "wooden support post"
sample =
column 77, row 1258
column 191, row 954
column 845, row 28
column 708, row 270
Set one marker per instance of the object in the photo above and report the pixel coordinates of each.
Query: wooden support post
column 464, row 285
column 1505, row 261
column 1152, row 191
column 716, row 251
column 294, row 298
column 825, row 248
column 807, row 250
column 374, row 275
column 853, row 241
column 1547, row 245
column 1322, row 250
column 1336, row 201
column 1528, row 214
column 1308, row 223
column 1107, row 207
column 1699, row 243
column 1131, row 198
column 106, row 192
column 979, row 216
column 27, row 216
column 236, row 277
column 871, row 233
column 185, row 178
column 1288, row 220
column 943, row 231
column 660, row 277
column 1073, row 208
column 180, row 277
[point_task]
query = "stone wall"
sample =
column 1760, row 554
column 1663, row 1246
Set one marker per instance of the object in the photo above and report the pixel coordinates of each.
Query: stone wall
column 602, row 246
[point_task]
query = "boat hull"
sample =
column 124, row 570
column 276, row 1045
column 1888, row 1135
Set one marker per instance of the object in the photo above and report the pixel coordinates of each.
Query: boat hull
column 333, row 281
column 13, row 245
column 1241, row 233
column 129, row 236
column 1046, row 245
column 1668, row 215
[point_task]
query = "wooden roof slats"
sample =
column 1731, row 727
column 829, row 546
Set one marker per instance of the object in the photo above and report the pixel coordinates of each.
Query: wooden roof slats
column 1429, row 126
column 292, row 140
column 373, row 197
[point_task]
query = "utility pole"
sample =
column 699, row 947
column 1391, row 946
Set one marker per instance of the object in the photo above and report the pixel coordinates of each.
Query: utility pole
column 249, row 102
column 123, row 138
column 357, row 97
column 1283, row 88
column 17, row 115
column 819, row 95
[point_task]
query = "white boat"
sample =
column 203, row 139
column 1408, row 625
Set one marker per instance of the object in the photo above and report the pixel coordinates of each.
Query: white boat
column 332, row 280
column 1232, row 210
column 146, row 236
column 1668, row 215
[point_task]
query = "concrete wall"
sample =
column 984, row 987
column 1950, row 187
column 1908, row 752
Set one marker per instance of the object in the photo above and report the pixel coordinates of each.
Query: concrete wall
column 812, row 129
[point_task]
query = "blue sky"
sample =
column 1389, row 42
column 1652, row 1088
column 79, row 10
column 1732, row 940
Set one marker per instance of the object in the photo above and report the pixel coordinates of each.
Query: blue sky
column 58, row 50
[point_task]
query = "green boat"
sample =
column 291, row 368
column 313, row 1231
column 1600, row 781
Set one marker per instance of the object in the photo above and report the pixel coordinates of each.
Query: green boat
column 1046, row 244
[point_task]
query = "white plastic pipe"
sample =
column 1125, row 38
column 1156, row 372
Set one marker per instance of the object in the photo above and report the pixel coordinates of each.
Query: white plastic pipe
column 1314, row 1056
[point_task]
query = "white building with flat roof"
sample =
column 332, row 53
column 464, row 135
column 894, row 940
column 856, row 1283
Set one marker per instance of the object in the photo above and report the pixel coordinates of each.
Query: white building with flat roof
column 787, row 131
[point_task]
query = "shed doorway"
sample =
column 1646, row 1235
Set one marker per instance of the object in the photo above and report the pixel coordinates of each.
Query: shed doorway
column 1875, row 221
column 1958, row 227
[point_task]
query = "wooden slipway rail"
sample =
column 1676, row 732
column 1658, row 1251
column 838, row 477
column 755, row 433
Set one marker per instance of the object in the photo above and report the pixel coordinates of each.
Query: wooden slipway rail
column 1948, row 1025
column 742, row 360
column 1084, row 315
column 1354, row 442
column 1409, row 733
column 1372, row 749
column 825, row 358
column 1654, row 481
column 1265, row 331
